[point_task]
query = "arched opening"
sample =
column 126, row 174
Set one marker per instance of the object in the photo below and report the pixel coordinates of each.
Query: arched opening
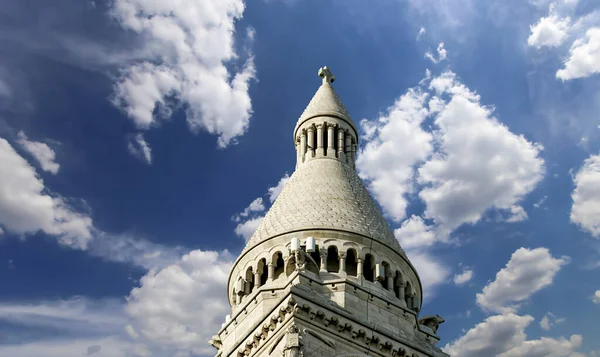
column 249, row 285
column 408, row 297
column 333, row 260
column 264, row 272
column 351, row 262
column 278, row 263
column 316, row 255
column 386, row 272
column 397, row 283
column 368, row 267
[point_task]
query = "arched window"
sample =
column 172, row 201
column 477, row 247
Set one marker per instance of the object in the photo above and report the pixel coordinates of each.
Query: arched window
column 408, row 297
column 264, row 272
column 397, row 283
column 386, row 272
column 316, row 255
column 279, row 265
column 333, row 260
column 351, row 262
column 249, row 281
column 368, row 267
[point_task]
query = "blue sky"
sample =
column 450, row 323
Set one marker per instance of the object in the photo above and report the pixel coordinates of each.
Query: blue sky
column 142, row 141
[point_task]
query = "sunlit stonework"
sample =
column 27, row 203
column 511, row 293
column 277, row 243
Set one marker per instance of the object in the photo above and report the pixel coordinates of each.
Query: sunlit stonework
column 323, row 274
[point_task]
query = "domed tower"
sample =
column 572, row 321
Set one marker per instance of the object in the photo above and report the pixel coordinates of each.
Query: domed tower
column 323, row 275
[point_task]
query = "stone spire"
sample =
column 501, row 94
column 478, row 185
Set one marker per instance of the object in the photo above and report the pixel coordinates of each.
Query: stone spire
column 325, row 191
column 323, row 275
column 326, row 102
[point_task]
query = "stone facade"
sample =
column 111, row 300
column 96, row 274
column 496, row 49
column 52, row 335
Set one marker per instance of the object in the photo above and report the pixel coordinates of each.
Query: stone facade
column 323, row 275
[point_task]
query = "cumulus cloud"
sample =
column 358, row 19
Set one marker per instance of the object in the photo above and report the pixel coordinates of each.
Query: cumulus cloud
column 75, row 327
column 41, row 152
column 527, row 271
column 276, row 190
column 395, row 143
column 550, row 31
column 480, row 163
column 246, row 229
column 250, row 218
column 179, row 307
column 190, row 48
column 585, row 210
column 442, row 54
column 27, row 207
column 504, row 336
column 596, row 297
column 584, row 57
column 139, row 148
column 464, row 277
column 415, row 237
column 549, row 320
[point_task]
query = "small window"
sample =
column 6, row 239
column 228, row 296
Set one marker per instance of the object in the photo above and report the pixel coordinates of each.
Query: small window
column 351, row 262
column 368, row 267
column 333, row 260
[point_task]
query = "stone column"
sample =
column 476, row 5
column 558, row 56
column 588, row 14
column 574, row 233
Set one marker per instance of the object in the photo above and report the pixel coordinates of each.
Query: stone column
column 257, row 280
column 330, row 141
column 320, row 149
column 348, row 148
column 324, row 261
column 359, row 268
column 271, row 272
column 341, row 144
column 311, row 142
column 401, row 291
column 302, row 146
column 390, row 282
column 353, row 156
column 342, row 256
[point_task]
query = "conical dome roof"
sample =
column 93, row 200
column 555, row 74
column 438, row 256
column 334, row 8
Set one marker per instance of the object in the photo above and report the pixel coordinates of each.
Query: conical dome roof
column 325, row 192
column 329, row 195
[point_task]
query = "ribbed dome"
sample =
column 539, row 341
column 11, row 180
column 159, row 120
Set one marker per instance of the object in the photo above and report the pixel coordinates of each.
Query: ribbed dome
column 325, row 194
column 325, row 102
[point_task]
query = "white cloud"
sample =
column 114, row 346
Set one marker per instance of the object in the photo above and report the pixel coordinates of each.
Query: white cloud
column 504, row 336
column 464, row 277
column 394, row 144
column 41, row 152
column 432, row 270
column 584, row 57
column 549, row 320
column 585, row 211
column 190, row 46
column 539, row 203
column 421, row 33
column 442, row 54
column 527, row 271
column 550, row 31
column 247, row 228
column 517, row 214
column 480, row 163
column 138, row 147
column 276, row 190
column 27, row 207
column 179, row 307
column 596, row 297
column 75, row 327
column 415, row 237
column 255, row 206
column 414, row 234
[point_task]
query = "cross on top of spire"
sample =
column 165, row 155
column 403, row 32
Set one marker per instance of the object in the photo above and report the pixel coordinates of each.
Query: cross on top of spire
column 326, row 74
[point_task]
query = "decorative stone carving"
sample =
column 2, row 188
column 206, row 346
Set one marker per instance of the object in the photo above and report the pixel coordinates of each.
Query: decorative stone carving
column 433, row 322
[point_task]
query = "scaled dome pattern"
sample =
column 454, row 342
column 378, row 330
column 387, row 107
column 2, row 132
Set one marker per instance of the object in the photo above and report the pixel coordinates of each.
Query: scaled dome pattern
column 325, row 194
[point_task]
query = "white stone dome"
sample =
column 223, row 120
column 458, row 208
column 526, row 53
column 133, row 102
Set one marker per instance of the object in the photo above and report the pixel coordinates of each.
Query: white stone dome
column 325, row 194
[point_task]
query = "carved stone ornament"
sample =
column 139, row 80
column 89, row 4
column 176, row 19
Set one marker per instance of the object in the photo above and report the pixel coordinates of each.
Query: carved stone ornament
column 293, row 344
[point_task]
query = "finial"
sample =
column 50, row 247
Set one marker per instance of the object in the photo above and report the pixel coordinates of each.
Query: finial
column 326, row 74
